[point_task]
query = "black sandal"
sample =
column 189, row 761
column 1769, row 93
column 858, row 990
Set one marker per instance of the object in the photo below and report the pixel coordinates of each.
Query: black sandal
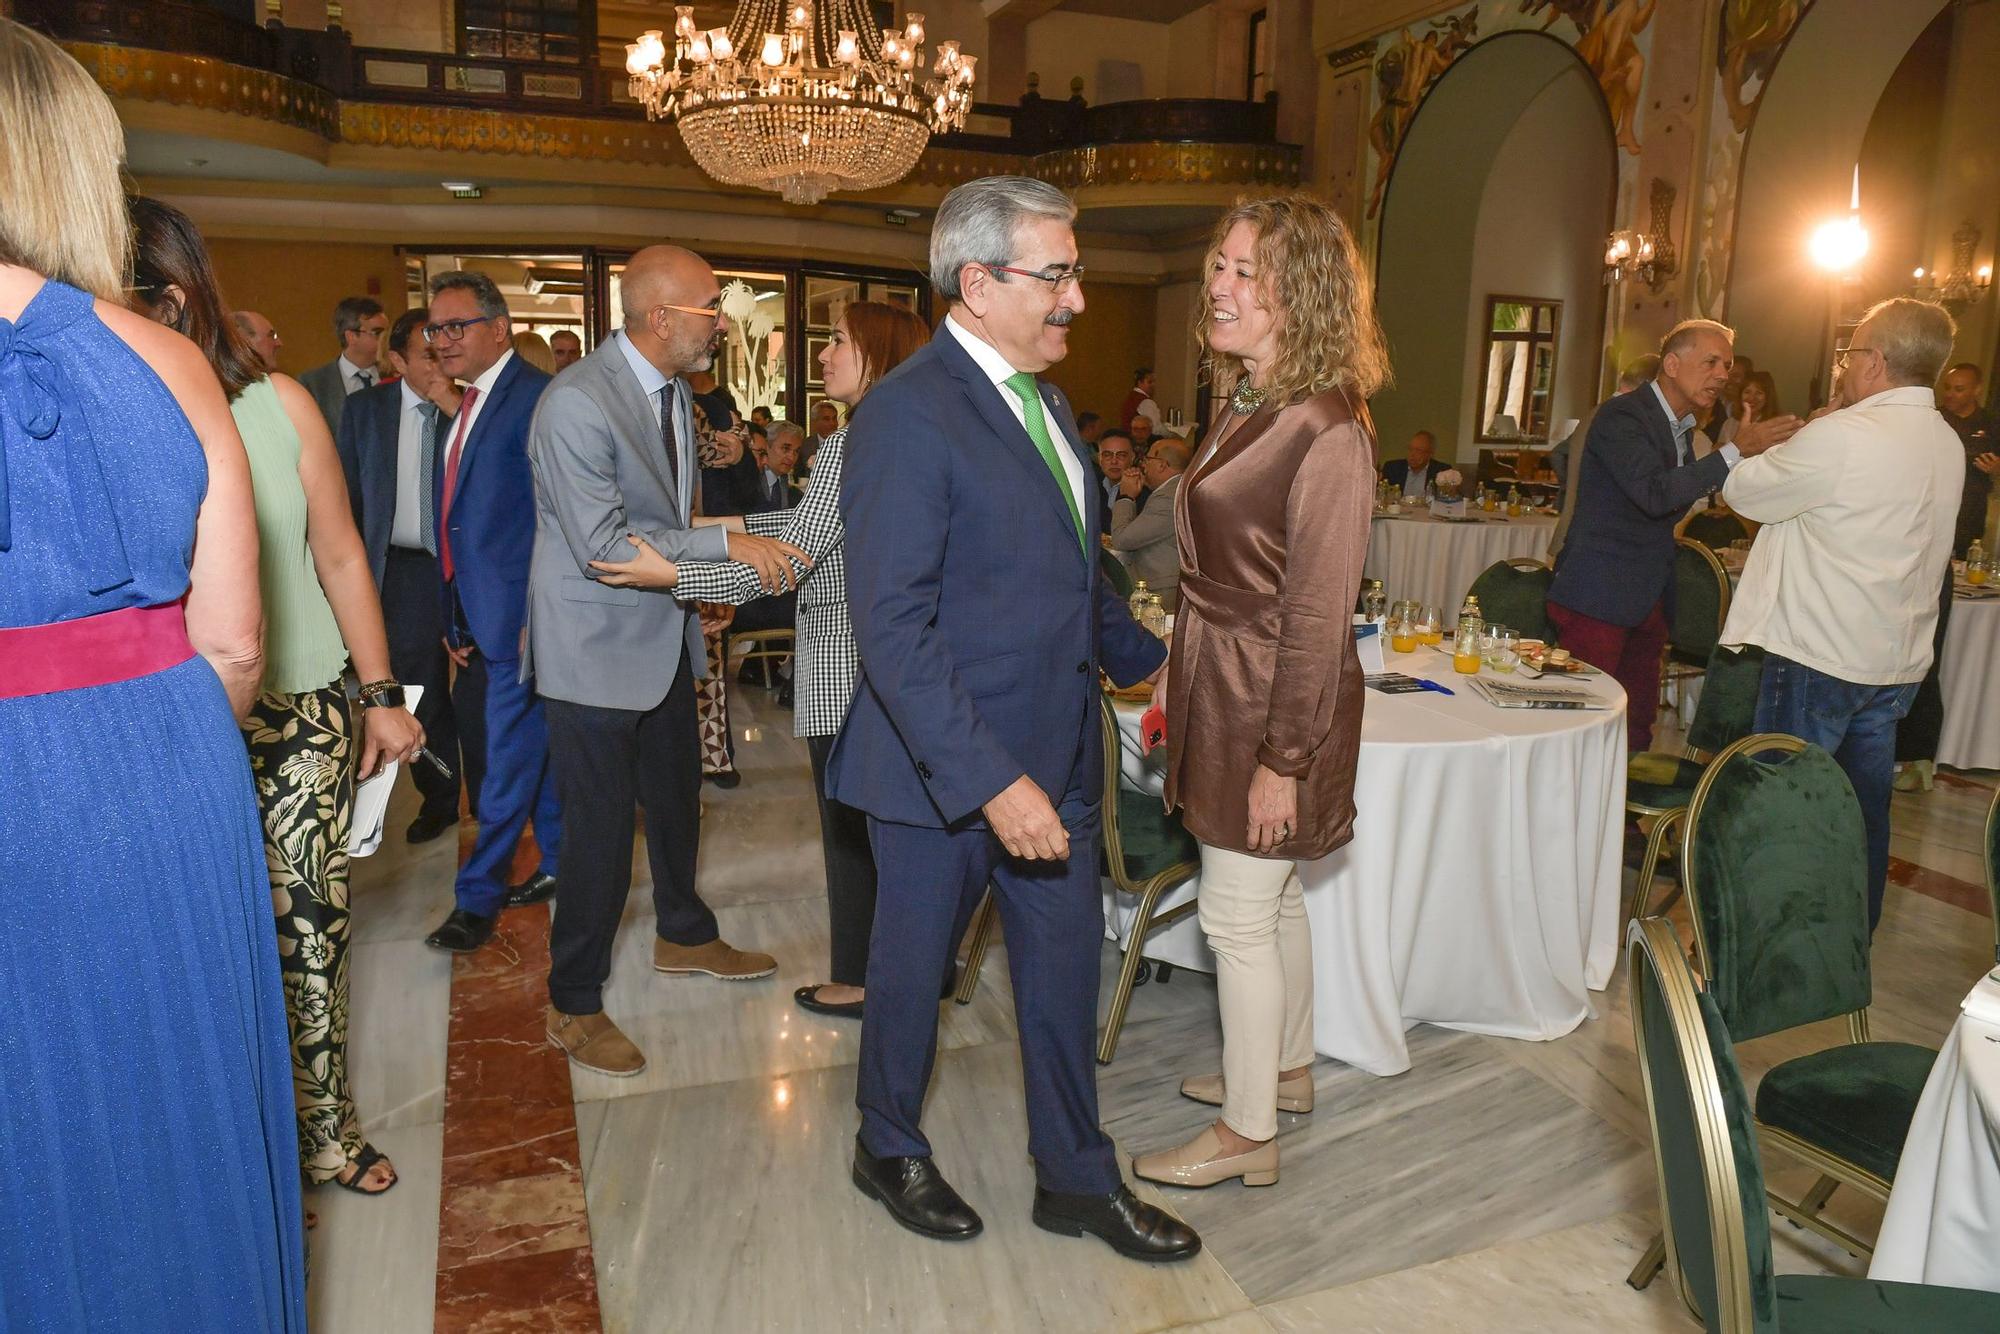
column 363, row 1162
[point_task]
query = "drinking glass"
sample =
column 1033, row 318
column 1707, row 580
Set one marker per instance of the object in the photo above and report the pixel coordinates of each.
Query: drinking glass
column 1403, row 628
column 1430, row 626
column 1502, row 648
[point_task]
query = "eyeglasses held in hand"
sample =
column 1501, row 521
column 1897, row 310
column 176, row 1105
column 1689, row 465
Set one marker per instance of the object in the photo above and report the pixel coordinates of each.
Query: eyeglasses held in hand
column 1059, row 281
column 451, row 331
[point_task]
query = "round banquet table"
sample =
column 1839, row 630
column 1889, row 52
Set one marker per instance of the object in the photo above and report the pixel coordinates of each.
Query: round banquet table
column 1434, row 561
column 1942, row 1224
column 1481, row 889
column 1971, row 735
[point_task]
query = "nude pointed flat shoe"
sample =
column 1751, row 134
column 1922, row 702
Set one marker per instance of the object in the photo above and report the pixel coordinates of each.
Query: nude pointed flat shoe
column 1294, row 1095
column 1200, row 1162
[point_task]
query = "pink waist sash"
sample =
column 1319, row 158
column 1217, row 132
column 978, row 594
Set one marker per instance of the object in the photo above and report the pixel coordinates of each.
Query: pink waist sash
column 96, row 650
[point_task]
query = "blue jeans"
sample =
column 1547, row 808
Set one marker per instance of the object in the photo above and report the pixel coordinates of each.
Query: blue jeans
column 1856, row 724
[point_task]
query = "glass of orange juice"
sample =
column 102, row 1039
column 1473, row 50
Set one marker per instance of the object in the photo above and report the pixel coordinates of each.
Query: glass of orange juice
column 1403, row 628
column 1430, row 626
column 1467, row 648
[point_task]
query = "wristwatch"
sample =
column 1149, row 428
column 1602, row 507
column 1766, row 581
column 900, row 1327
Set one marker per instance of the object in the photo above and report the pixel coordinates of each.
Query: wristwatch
column 385, row 694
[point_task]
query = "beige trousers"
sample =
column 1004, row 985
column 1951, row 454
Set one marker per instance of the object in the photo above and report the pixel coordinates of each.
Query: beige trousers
column 1254, row 911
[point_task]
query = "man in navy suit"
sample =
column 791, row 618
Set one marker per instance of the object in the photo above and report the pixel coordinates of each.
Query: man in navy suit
column 1613, row 588
column 973, row 740
column 485, row 536
column 389, row 443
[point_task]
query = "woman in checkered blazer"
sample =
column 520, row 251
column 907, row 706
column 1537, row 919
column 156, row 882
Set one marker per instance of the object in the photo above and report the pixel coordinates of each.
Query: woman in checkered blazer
column 868, row 342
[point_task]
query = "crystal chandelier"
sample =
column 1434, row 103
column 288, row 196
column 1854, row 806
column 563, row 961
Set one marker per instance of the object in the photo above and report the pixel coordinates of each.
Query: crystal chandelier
column 825, row 104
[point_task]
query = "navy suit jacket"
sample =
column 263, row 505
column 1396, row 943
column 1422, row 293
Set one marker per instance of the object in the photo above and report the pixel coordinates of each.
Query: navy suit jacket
column 367, row 442
column 980, row 620
column 492, row 519
column 1397, row 471
column 1617, row 563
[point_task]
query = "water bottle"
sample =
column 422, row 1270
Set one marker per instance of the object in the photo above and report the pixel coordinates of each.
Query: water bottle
column 1374, row 602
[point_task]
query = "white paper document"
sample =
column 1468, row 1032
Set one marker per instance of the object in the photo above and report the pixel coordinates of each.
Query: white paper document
column 371, row 798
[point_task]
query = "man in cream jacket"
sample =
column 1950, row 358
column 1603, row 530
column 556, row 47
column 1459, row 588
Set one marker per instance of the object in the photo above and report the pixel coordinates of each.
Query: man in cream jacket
column 1841, row 588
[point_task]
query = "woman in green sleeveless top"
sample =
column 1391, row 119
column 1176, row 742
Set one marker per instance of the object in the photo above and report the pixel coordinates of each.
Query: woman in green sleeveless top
column 320, row 608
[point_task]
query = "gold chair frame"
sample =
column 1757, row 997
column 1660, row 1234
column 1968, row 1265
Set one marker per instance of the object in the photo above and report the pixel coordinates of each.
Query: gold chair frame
column 763, row 644
column 1148, row 892
column 1834, row 1171
column 1673, row 674
column 1655, row 937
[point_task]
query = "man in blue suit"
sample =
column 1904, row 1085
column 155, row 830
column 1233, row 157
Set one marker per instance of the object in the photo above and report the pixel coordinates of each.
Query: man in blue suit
column 485, row 536
column 389, row 444
column 973, row 740
column 1612, row 597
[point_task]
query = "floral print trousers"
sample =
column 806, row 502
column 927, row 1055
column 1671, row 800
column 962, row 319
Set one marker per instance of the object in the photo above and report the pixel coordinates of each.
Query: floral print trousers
column 302, row 758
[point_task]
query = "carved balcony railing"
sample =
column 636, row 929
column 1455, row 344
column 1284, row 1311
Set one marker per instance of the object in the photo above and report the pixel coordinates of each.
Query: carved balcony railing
column 157, row 49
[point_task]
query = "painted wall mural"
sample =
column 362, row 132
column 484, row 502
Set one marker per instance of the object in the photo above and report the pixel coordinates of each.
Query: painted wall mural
column 1752, row 36
column 1609, row 36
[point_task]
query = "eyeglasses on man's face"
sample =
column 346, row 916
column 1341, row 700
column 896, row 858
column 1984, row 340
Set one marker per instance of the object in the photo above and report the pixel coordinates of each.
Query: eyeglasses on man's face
column 1058, row 278
column 707, row 312
column 452, row 331
column 1840, row 357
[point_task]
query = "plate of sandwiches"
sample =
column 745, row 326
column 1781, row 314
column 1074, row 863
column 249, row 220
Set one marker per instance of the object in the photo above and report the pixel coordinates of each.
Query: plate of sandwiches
column 1539, row 659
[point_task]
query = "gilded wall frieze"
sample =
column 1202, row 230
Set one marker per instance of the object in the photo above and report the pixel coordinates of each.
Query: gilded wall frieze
column 209, row 85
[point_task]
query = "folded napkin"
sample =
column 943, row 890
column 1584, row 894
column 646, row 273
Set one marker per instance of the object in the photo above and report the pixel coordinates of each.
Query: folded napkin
column 1983, row 1001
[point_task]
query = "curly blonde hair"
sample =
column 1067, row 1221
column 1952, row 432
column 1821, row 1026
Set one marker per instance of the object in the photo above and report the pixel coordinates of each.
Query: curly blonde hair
column 1310, row 273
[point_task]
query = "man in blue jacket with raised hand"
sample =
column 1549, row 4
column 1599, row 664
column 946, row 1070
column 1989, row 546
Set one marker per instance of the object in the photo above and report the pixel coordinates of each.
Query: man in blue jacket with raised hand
column 1611, row 601
column 973, row 742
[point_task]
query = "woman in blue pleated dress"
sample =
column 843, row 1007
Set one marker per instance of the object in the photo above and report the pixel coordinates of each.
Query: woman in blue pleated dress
column 148, row 1156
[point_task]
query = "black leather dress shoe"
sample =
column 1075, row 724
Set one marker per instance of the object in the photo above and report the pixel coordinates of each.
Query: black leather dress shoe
column 462, row 932
column 1121, row 1220
column 916, row 1195
column 537, row 888
column 785, row 695
column 728, row 778
column 807, row 998
column 427, row 827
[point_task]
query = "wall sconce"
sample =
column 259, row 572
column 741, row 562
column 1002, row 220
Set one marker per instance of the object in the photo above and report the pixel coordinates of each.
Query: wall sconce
column 1962, row 285
column 1650, row 254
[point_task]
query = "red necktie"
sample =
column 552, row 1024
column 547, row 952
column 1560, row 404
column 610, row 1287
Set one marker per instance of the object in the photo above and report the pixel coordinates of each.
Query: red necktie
column 451, row 480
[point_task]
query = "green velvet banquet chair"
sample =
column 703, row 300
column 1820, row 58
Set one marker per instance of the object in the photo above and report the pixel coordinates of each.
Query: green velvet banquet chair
column 1516, row 593
column 1146, row 853
column 1773, row 863
column 1701, row 605
column 1711, row 1181
column 1993, row 869
column 1116, row 574
column 1716, row 529
column 1660, row 784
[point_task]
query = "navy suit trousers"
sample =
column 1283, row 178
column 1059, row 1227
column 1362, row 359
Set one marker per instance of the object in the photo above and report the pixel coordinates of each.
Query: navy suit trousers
column 1051, row 913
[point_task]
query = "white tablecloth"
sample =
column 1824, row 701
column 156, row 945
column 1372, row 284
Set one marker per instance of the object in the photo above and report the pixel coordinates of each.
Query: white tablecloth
column 1481, row 891
column 1971, row 736
column 1426, row 560
column 1942, row 1225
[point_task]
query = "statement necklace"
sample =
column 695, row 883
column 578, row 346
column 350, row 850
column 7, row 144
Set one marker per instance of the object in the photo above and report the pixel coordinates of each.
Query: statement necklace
column 1246, row 398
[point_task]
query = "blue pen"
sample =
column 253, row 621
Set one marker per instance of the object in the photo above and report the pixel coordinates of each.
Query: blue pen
column 1432, row 685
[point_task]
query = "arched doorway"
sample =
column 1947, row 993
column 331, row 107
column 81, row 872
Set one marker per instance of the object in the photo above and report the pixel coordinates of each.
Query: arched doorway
column 1504, row 187
column 1798, row 166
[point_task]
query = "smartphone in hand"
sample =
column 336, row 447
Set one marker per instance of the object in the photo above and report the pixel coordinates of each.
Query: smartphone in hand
column 1152, row 728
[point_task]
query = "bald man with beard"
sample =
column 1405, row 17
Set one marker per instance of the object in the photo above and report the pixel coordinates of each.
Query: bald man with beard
column 613, row 452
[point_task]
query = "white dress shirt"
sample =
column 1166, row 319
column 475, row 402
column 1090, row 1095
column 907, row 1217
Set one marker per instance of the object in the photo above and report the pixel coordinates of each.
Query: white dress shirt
column 407, row 528
column 355, row 378
column 1686, row 450
column 998, row 371
column 1858, row 510
column 655, row 383
column 468, row 413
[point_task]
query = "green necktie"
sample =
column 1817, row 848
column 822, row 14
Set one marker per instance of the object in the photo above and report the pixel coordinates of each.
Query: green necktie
column 1025, row 389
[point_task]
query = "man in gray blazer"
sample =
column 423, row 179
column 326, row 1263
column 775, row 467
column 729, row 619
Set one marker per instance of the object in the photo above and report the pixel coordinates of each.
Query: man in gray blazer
column 358, row 322
column 1147, row 540
column 613, row 451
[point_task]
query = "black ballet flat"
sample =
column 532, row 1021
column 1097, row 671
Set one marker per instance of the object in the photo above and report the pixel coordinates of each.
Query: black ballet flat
column 807, row 998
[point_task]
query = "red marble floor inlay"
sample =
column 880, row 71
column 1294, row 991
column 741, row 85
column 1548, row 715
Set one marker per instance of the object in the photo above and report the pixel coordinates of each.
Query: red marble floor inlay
column 1944, row 888
column 513, row 1236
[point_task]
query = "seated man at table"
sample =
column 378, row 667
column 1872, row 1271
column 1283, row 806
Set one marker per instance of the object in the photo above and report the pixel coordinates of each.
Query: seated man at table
column 1612, row 597
column 1417, row 474
column 1145, row 536
column 1841, row 586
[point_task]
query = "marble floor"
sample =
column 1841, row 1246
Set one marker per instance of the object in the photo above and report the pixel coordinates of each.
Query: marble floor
column 1497, row 1185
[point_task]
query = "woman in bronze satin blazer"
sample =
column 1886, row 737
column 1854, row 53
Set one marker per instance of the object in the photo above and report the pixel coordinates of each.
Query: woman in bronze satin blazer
column 1263, row 690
